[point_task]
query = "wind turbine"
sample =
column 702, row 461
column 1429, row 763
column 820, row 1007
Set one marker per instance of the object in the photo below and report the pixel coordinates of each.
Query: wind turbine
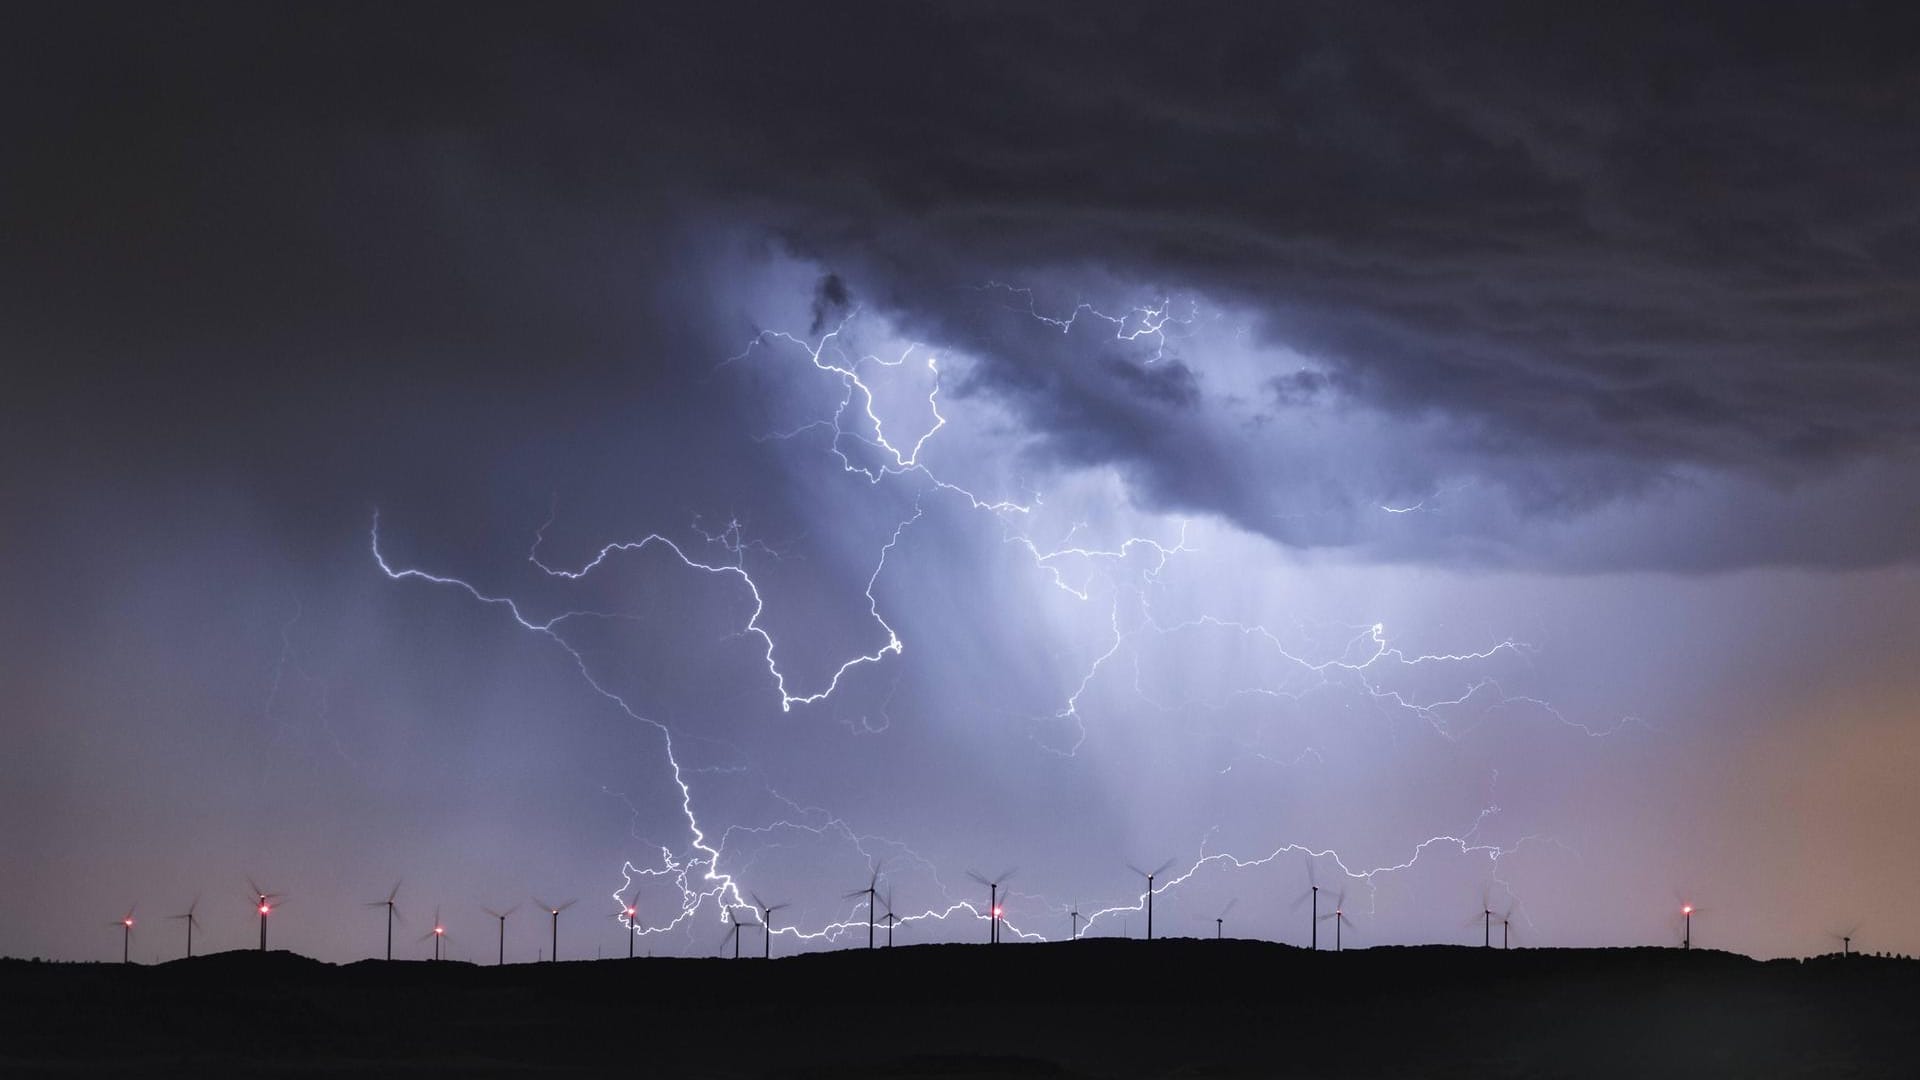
column 1150, row 875
column 889, row 916
column 554, row 911
column 1486, row 920
column 1686, row 937
column 630, row 912
column 1313, row 919
column 733, row 916
column 766, row 925
column 439, row 931
column 191, row 920
column 1220, row 920
column 868, row 892
column 1074, row 914
column 993, row 900
column 1339, row 917
column 392, row 894
column 1506, row 930
column 263, row 902
column 126, row 934
column 502, row 916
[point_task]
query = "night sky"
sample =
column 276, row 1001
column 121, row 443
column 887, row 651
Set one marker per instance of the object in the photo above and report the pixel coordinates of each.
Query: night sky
column 1463, row 453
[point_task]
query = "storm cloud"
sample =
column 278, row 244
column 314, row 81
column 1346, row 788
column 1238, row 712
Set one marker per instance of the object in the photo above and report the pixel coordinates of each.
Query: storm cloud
column 1561, row 360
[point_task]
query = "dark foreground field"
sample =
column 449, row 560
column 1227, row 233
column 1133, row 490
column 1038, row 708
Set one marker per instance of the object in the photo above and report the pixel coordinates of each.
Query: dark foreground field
column 1086, row 1009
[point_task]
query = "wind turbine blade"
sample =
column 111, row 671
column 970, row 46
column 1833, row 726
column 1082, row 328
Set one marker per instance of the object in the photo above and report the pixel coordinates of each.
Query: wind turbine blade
column 975, row 875
column 1007, row 873
column 544, row 906
column 569, row 903
column 1163, row 867
column 759, row 903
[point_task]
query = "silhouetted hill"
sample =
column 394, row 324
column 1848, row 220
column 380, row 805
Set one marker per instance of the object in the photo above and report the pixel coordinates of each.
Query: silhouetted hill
column 1084, row 1009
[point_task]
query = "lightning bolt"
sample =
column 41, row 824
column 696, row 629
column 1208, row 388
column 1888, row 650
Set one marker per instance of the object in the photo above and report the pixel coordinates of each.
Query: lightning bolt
column 860, row 441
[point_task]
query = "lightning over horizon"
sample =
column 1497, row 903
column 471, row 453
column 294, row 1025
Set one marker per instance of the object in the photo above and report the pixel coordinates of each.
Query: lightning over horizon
column 697, row 874
column 762, row 465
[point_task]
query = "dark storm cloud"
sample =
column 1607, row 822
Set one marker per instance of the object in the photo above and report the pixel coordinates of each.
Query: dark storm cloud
column 1630, row 241
column 1633, row 240
column 830, row 299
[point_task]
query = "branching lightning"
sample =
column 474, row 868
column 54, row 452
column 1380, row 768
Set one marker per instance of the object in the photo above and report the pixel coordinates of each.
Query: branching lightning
column 860, row 442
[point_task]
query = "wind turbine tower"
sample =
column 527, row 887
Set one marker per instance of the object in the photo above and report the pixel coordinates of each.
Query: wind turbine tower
column 553, row 911
column 438, row 932
column 1339, row 917
column 873, row 882
column 766, row 925
column 502, row 916
column 993, row 901
column 126, row 936
column 1150, row 875
column 191, row 920
column 263, row 902
column 392, row 895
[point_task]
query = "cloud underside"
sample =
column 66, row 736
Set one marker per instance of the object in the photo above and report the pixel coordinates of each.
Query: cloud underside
column 1577, row 263
column 1565, row 260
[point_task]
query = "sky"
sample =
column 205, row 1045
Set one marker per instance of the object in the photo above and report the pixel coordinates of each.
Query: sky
column 1462, row 459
